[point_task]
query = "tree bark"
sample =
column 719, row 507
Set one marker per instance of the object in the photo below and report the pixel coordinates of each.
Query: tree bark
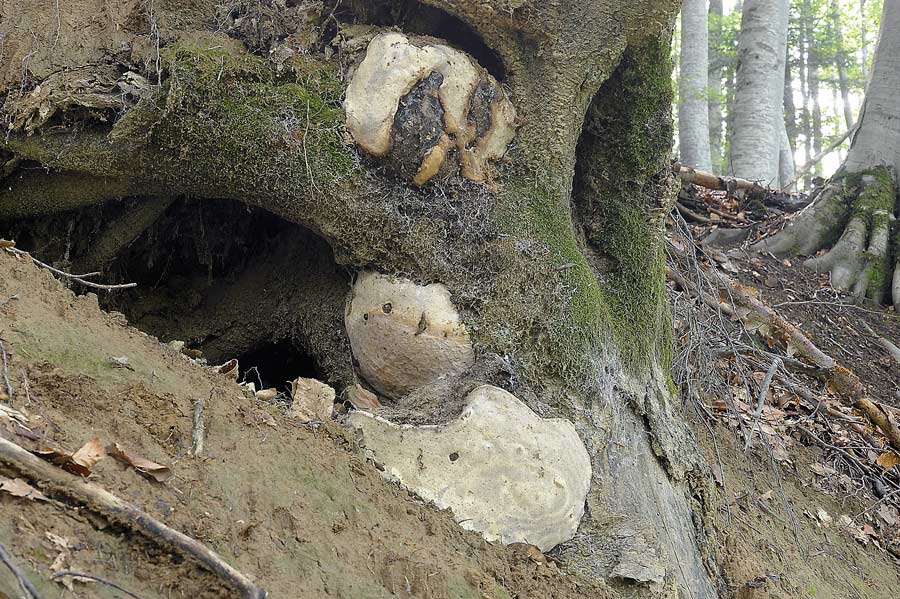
column 840, row 58
column 556, row 262
column 716, row 81
column 693, row 86
column 854, row 214
column 758, row 120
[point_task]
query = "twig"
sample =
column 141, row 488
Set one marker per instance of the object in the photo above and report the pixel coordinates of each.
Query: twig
column 24, row 376
column 76, row 278
column 892, row 349
column 9, row 389
column 810, row 163
column 109, row 583
column 763, row 391
column 26, row 585
column 48, row 476
column 688, row 213
column 198, row 435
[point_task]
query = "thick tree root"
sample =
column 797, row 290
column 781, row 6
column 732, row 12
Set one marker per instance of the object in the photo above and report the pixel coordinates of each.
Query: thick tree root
column 858, row 210
column 779, row 332
column 124, row 230
column 104, row 502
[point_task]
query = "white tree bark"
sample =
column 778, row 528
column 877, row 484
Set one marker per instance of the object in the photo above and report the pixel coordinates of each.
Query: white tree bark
column 785, row 154
column 877, row 142
column 693, row 85
column 758, row 106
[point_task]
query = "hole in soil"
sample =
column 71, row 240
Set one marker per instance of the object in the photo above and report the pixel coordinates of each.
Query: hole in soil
column 276, row 365
column 228, row 280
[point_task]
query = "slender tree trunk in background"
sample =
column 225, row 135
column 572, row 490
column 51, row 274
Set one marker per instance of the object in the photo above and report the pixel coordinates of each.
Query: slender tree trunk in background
column 812, row 81
column 805, row 117
column 840, row 57
column 693, row 86
column 716, row 75
column 759, row 94
column 785, row 156
column 858, row 205
column 863, row 40
column 790, row 109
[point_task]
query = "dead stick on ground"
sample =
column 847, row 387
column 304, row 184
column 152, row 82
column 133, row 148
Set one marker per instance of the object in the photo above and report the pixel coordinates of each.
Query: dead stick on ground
column 763, row 391
column 77, row 278
column 26, row 585
column 48, row 476
column 198, row 435
column 892, row 349
column 8, row 386
column 109, row 583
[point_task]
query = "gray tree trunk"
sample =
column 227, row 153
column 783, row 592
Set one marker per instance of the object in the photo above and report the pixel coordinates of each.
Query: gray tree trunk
column 841, row 59
column 758, row 106
column 693, row 86
column 858, row 206
column 716, row 73
column 877, row 143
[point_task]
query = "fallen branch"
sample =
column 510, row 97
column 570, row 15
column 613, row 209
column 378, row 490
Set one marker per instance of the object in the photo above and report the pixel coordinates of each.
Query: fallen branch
column 198, row 434
column 109, row 583
column 816, row 159
column 689, row 174
column 99, row 499
column 26, row 585
column 763, row 391
column 891, row 349
column 688, row 213
column 6, row 383
column 77, row 278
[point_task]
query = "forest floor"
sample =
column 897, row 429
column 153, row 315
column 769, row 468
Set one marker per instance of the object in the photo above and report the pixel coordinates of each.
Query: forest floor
column 299, row 509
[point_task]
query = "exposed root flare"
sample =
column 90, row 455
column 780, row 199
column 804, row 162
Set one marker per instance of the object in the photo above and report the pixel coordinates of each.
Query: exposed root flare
column 858, row 210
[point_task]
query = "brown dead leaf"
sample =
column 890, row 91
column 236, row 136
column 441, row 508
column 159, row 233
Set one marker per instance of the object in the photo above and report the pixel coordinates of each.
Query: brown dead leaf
column 157, row 472
column 7, row 243
column 61, row 458
column 229, row 369
column 888, row 460
column 89, row 454
column 822, row 470
column 19, row 488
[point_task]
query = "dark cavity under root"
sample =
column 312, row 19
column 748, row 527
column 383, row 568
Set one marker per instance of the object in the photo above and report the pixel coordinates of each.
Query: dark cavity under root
column 854, row 217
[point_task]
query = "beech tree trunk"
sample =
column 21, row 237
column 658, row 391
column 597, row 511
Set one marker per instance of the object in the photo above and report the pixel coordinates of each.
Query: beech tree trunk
column 553, row 256
column 858, row 206
column 758, row 107
column 716, row 83
column 693, row 109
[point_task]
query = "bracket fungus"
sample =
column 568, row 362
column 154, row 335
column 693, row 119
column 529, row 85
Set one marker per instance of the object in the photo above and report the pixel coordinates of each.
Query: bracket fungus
column 503, row 470
column 426, row 108
column 403, row 335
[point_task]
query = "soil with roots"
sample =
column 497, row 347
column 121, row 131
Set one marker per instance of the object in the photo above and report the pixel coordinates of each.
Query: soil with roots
column 300, row 509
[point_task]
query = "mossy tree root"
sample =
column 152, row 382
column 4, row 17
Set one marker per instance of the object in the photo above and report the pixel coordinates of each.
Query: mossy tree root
column 37, row 192
column 856, row 210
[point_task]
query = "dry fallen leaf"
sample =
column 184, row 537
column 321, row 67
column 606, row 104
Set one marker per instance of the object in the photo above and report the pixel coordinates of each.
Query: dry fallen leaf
column 66, row 461
column 6, row 243
column 888, row 460
column 229, row 369
column 89, row 454
column 157, row 472
column 19, row 488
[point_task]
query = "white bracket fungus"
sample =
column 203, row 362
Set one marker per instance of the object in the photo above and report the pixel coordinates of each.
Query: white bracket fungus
column 403, row 335
column 503, row 470
column 427, row 108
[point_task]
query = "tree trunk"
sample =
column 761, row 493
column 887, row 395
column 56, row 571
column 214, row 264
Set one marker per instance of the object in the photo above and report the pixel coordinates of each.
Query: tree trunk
column 854, row 214
column 716, row 81
column 812, row 80
column 758, row 107
column 693, row 86
column 553, row 257
column 840, row 57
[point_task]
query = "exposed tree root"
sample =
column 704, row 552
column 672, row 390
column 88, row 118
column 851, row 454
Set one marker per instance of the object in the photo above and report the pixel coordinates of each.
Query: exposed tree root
column 39, row 192
column 124, row 230
column 779, row 332
column 50, row 477
column 858, row 211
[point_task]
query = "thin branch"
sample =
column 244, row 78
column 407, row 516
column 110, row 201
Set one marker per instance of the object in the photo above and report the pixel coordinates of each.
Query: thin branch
column 7, row 384
column 26, row 585
column 763, row 391
column 76, row 278
column 102, row 501
column 109, row 583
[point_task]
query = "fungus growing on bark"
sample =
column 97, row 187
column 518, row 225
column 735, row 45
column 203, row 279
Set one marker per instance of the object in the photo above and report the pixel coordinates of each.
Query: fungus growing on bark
column 504, row 471
column 427, row 108
column 403, row 335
